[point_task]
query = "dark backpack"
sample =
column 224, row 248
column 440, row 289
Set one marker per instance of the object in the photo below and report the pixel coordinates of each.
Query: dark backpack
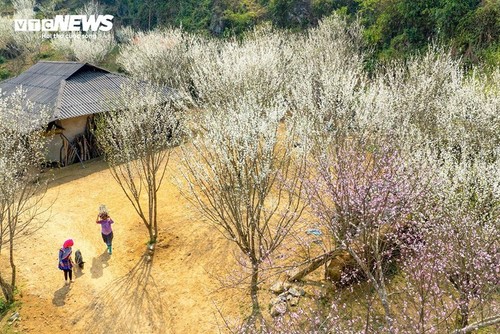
column 79, row 259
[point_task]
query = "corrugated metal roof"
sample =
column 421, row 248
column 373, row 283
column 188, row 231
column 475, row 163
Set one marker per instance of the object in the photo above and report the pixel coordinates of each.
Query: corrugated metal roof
column 41, row 81
column 88, row 93
column 69, row 89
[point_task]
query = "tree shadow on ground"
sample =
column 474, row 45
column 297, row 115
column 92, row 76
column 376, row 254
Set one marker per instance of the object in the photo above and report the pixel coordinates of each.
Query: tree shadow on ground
column 58, row 176
column 129, row 304
column 60, row 295
column 98, row 264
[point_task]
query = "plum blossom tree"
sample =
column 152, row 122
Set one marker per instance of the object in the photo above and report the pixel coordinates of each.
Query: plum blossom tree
column 243, row 174
column 158, row 56
column 83, row 47
column 19, row 43
column 21, row 190
column 365, row 195
column 137, row 138
column 469, row 229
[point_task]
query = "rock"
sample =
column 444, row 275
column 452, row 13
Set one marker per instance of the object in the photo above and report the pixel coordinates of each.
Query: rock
column 274, row 301
column 277, row 300
column 14, row 317
column 296, row 292
column 294, row 301
column 277, row 288
column 287, row 285
column 283, row 296
column 278, row 309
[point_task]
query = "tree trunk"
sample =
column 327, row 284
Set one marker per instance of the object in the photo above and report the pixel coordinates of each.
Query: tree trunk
column 7, row 290
column 385, row 304
column 152, row 187
column 155, row 211
column 382, row 291
column 379, row 287
column 151, row 234
column 12, row 266
column 463, row 320
column 256, row 313
column 13, row 219
column 314, row 264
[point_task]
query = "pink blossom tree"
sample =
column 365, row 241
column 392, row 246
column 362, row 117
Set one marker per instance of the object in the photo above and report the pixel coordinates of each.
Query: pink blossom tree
column 365, row 196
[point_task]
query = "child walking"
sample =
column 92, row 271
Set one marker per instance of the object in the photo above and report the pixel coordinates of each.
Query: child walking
column 105, row 220
column 65, row 261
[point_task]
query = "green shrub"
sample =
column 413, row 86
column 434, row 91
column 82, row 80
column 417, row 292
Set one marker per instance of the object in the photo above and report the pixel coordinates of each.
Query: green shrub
column 5, row 74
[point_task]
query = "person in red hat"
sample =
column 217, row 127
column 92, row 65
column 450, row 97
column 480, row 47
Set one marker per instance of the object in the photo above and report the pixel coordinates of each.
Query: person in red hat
column 65, row 261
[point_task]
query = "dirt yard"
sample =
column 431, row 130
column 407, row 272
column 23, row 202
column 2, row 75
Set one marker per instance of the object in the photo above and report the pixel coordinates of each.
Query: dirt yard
column 123, row 293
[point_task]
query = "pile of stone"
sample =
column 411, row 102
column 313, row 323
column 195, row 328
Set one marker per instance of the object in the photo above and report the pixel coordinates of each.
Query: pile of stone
column 287, row 295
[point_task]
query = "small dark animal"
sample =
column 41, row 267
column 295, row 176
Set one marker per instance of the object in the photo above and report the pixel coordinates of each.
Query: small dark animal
column 79, row 259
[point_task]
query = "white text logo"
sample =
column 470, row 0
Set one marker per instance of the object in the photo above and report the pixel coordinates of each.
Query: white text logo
column 66, row 23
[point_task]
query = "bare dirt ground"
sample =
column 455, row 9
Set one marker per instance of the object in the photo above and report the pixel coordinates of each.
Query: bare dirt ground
column 123, row 293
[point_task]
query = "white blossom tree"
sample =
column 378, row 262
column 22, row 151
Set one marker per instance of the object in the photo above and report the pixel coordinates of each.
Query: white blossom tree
column 91, row 48
column 21, row 190
column 19, row 43
column 159, row 56
column 137, row 138
column 242, row 173
column 83, row 48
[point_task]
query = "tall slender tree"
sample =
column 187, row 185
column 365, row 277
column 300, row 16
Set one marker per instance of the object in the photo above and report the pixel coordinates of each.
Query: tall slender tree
column 21, row 190
column 242, row 173
column 136, row 139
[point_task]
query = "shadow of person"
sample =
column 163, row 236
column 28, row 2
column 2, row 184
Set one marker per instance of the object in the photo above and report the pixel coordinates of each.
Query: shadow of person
column 98, row 264
column 60, row 296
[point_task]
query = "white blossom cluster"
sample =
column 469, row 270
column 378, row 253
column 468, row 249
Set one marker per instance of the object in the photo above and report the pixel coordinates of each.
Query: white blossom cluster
column 264, row 101
column 157, row 56
column 19, row 42
column 144, row 123
column 84, row 48
column 21, row 154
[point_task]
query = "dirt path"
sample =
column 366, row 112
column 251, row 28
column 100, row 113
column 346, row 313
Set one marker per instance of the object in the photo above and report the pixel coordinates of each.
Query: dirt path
column 121, row 293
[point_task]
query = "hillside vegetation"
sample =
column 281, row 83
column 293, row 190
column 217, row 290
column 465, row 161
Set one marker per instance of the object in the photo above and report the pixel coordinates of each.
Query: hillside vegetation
column 394, row 29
